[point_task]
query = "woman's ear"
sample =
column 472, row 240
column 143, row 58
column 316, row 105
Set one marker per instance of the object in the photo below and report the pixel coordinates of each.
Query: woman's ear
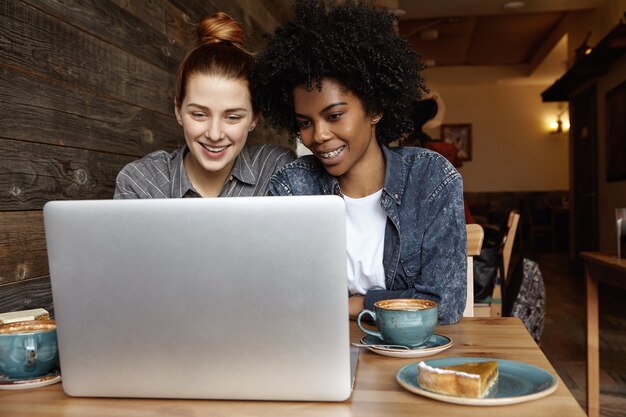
column 376, row 118
column 255, row 120
column 177, row 113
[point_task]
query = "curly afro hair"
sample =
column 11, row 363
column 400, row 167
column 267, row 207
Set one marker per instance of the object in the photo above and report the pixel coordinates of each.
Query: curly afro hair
column 353, row 43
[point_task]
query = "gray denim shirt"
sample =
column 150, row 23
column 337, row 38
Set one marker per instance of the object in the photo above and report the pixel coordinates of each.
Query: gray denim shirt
column 425, row 253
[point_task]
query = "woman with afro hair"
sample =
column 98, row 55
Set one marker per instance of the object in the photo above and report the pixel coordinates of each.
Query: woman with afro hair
column 339, row 79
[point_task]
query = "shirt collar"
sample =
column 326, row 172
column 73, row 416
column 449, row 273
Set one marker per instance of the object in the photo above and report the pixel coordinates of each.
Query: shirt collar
column 328, row 183
column 395, row 174
column 181, row 185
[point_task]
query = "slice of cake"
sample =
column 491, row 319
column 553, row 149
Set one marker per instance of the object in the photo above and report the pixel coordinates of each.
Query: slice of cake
column 471, row 379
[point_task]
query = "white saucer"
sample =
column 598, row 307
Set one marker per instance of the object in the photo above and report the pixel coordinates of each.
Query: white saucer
column 29, row 383
column 437, row 343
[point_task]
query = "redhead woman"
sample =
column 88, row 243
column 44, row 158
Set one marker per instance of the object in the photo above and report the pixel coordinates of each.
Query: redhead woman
column 213, row 105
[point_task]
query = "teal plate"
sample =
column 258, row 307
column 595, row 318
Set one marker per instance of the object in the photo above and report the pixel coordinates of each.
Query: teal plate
column 437, row 343
column 517, row 382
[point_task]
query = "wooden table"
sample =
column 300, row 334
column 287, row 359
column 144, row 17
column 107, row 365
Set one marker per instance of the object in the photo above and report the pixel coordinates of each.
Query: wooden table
column 376, row 391
column 609, row 269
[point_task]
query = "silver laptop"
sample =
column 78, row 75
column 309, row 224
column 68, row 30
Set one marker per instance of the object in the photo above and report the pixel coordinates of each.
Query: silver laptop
column 224, row 298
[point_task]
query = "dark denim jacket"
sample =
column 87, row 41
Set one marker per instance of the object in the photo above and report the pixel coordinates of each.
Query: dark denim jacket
column 425, row 254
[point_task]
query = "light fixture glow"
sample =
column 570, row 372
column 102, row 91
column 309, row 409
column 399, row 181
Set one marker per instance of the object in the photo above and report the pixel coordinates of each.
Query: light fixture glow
column 560, row 123
column 559, row 126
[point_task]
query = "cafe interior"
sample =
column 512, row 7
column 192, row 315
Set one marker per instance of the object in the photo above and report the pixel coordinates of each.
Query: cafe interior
column 531, row 98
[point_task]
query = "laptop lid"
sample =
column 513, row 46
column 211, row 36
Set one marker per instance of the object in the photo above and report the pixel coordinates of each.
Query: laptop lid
column 224, row 298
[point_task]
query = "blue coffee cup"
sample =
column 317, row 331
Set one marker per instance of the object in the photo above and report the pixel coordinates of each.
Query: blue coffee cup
column 408, row 322
column 28, row 349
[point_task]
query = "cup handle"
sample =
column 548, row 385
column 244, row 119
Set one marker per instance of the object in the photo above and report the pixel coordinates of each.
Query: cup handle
column 30, row 345
column 358, row 322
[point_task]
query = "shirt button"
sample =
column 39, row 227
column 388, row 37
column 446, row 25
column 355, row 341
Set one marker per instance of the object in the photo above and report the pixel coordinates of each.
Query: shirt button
column 230, row 178
column 396, row 196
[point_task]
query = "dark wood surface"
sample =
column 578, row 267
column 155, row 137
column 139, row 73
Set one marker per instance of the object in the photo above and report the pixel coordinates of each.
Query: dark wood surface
column 22, row 246
column 80, row 119
column 607, row 260
column 47, row 46
column 37, row 173
column 25, row 295
column 86, row 86
column 115, row 25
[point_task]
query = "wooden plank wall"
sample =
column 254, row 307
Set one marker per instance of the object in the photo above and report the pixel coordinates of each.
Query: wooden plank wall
column 86, row 87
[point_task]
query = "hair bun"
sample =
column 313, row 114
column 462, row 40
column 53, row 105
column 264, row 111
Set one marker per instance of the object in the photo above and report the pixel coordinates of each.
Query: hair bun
column 220, row 28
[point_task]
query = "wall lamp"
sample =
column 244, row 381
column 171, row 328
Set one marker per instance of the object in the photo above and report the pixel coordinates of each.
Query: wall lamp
column 560, row 125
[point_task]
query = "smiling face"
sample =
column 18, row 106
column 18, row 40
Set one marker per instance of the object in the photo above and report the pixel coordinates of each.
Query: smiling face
column 216, row 115
column 336, row 128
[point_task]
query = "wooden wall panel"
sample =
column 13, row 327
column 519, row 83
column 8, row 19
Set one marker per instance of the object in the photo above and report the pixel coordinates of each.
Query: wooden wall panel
column 22, row 246
column 62, row 52
column 176, row 25
column 254, row 15
column 36, row 109
column 32, row 174
column 109, row 22
column 24, row 295
column 196, row 9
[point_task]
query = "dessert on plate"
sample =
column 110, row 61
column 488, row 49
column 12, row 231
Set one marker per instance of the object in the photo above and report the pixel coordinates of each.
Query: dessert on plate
column 471, row 379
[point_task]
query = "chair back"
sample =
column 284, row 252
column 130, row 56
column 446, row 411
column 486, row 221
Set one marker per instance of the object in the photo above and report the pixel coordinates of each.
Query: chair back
column 475, row 236
column 508, row 241
column 507, row 249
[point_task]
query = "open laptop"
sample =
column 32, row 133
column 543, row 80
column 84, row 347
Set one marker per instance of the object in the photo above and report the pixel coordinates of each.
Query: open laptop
column 224, row 298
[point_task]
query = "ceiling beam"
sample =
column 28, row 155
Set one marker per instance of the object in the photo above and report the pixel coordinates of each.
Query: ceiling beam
column 548, row 44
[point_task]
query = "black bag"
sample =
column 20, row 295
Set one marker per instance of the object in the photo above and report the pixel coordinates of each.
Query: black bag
column 485, row 270
column 487, row 263
column 525, row 297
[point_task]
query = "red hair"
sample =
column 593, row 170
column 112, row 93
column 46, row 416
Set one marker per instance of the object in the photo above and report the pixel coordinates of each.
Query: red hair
column 219, row 49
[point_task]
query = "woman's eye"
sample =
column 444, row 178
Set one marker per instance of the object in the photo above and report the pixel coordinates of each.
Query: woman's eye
column 233, row 118
column 198, row 115
column 302, row 124
column 334, row 116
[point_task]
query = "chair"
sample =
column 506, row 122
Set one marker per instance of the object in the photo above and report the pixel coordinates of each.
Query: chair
column 475, row 235
column 494, row 308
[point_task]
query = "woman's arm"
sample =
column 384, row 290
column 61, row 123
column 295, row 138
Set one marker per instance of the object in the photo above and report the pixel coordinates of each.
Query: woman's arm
column 124, row 186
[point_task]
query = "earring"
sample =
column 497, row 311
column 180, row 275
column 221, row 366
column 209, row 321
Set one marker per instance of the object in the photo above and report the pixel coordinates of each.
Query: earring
column 376, row 119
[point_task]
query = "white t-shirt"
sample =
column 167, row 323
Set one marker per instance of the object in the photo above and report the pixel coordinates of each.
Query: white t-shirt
column 365, row 241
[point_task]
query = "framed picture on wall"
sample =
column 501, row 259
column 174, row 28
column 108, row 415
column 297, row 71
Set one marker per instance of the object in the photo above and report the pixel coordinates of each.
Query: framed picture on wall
column 616, row 133
column 460, row 135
